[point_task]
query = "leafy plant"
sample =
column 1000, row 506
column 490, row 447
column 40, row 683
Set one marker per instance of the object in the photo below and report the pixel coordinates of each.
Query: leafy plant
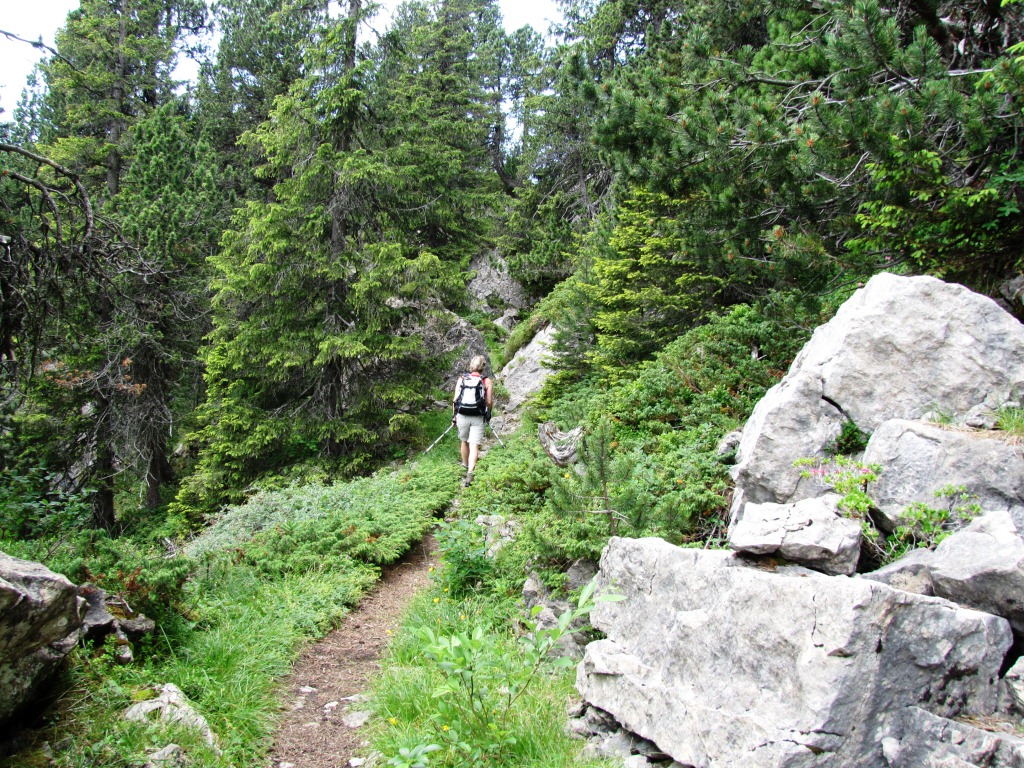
column 33, row 506
column 466, row 565
column 847, row 477
column 413, row 757
column 925, row 526
column 850, row 440
column 482, row 681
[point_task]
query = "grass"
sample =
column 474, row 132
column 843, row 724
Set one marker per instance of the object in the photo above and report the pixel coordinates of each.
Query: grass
column 406, row 699
column 274, row 574
column 1011, row 421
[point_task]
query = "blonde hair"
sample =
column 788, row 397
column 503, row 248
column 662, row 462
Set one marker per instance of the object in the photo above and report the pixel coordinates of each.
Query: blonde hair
column 477, row 364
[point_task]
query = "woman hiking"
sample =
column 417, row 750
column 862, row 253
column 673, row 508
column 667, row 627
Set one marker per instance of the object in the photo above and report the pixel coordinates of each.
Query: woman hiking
column 471, row 410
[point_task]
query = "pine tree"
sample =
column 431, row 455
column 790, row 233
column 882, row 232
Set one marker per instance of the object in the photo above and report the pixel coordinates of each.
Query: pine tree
column 319, row 292
column 114, row 67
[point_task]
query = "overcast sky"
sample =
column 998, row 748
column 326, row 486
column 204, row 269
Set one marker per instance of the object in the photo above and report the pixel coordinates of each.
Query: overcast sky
column 30, row 19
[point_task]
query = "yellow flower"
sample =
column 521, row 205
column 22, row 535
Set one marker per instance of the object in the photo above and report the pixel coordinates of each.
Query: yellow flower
column 430, row 569
column 444, row 727
column 462, row 617
column 446, row 589
column 437, row 599
column 393, row 720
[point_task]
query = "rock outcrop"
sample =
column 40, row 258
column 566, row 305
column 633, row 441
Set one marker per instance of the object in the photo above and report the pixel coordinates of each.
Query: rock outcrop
column 899, row 348
column 982, row 566
column 920, row 459
column 730, row 660
column 724, row 664
column 527, row 371
column 492, row 288
column 170, row 706
column 448, row 336
column 40, row 617
column 545, row 608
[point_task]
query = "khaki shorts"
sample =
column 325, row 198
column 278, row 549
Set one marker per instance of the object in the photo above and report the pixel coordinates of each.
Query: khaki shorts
column 471, row 429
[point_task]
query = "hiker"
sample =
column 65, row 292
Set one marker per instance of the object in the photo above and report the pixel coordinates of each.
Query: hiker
column 471, row 410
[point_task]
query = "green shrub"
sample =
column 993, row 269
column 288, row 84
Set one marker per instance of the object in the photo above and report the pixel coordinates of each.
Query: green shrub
column 847, row 477
column 374, row 519
column 465, row 563
column 459, row 689
column 850, row 440
column 32, row 506
column 925, row 526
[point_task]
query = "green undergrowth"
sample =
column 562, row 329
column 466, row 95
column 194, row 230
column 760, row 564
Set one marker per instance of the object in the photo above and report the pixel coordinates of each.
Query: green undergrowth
column 463, row 686
column 270, row 576
column 649, row 458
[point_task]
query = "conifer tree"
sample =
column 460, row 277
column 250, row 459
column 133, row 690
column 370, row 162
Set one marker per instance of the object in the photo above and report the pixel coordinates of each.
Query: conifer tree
column 115, row 65
column 319, row 292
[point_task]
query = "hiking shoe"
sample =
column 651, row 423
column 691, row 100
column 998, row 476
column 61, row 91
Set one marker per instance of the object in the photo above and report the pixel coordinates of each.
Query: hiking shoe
column 469, row 479
column 464, row 465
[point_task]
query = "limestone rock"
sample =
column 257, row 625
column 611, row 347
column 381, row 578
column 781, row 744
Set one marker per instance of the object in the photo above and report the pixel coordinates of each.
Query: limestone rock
column 982, row 566
column 1014, row 682
column 915, row 738
column 579, row 574
column 918, row 459
column 724, row 664
column 1013, row 292
column 40, row 619
column 728, row 445
column 536, row 595
column 900, row 347
column 508, row 320
column 527, row 371
column 498, row 531
column 357, row 719
column 911, row 573
column 812, row 532
column 493, row 288
column 171, row 707
column 445, row 335
column 98, row 622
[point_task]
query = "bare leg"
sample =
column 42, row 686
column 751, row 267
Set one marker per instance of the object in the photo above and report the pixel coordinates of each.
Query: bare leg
column 465, row 454
column 474, row 452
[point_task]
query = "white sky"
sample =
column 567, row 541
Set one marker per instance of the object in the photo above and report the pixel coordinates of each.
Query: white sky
column 30, row 19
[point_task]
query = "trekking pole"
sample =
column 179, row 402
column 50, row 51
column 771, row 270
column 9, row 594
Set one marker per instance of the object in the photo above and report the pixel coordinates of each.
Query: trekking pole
column 439, row 439
column 502, row 442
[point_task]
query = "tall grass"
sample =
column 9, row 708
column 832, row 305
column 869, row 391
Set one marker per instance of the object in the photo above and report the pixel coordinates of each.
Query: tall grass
column 273, row 575
column 407, row 696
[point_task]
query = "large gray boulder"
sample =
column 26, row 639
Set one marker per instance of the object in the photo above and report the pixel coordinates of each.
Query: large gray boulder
column 812, row 532
column 40, row 617
column 911, row 573
column 528, row 369
column 724, row 664
column 919, row 459
column 900, row 347
column 982, row 566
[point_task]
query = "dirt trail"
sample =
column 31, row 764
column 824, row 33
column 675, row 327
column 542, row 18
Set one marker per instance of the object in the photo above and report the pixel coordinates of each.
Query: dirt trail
column 326, row 688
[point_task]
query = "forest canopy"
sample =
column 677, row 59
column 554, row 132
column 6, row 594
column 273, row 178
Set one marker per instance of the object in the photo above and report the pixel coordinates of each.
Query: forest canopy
column 207, row 288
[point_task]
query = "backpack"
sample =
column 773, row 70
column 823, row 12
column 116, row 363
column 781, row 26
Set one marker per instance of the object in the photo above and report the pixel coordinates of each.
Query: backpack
column 472, row 399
